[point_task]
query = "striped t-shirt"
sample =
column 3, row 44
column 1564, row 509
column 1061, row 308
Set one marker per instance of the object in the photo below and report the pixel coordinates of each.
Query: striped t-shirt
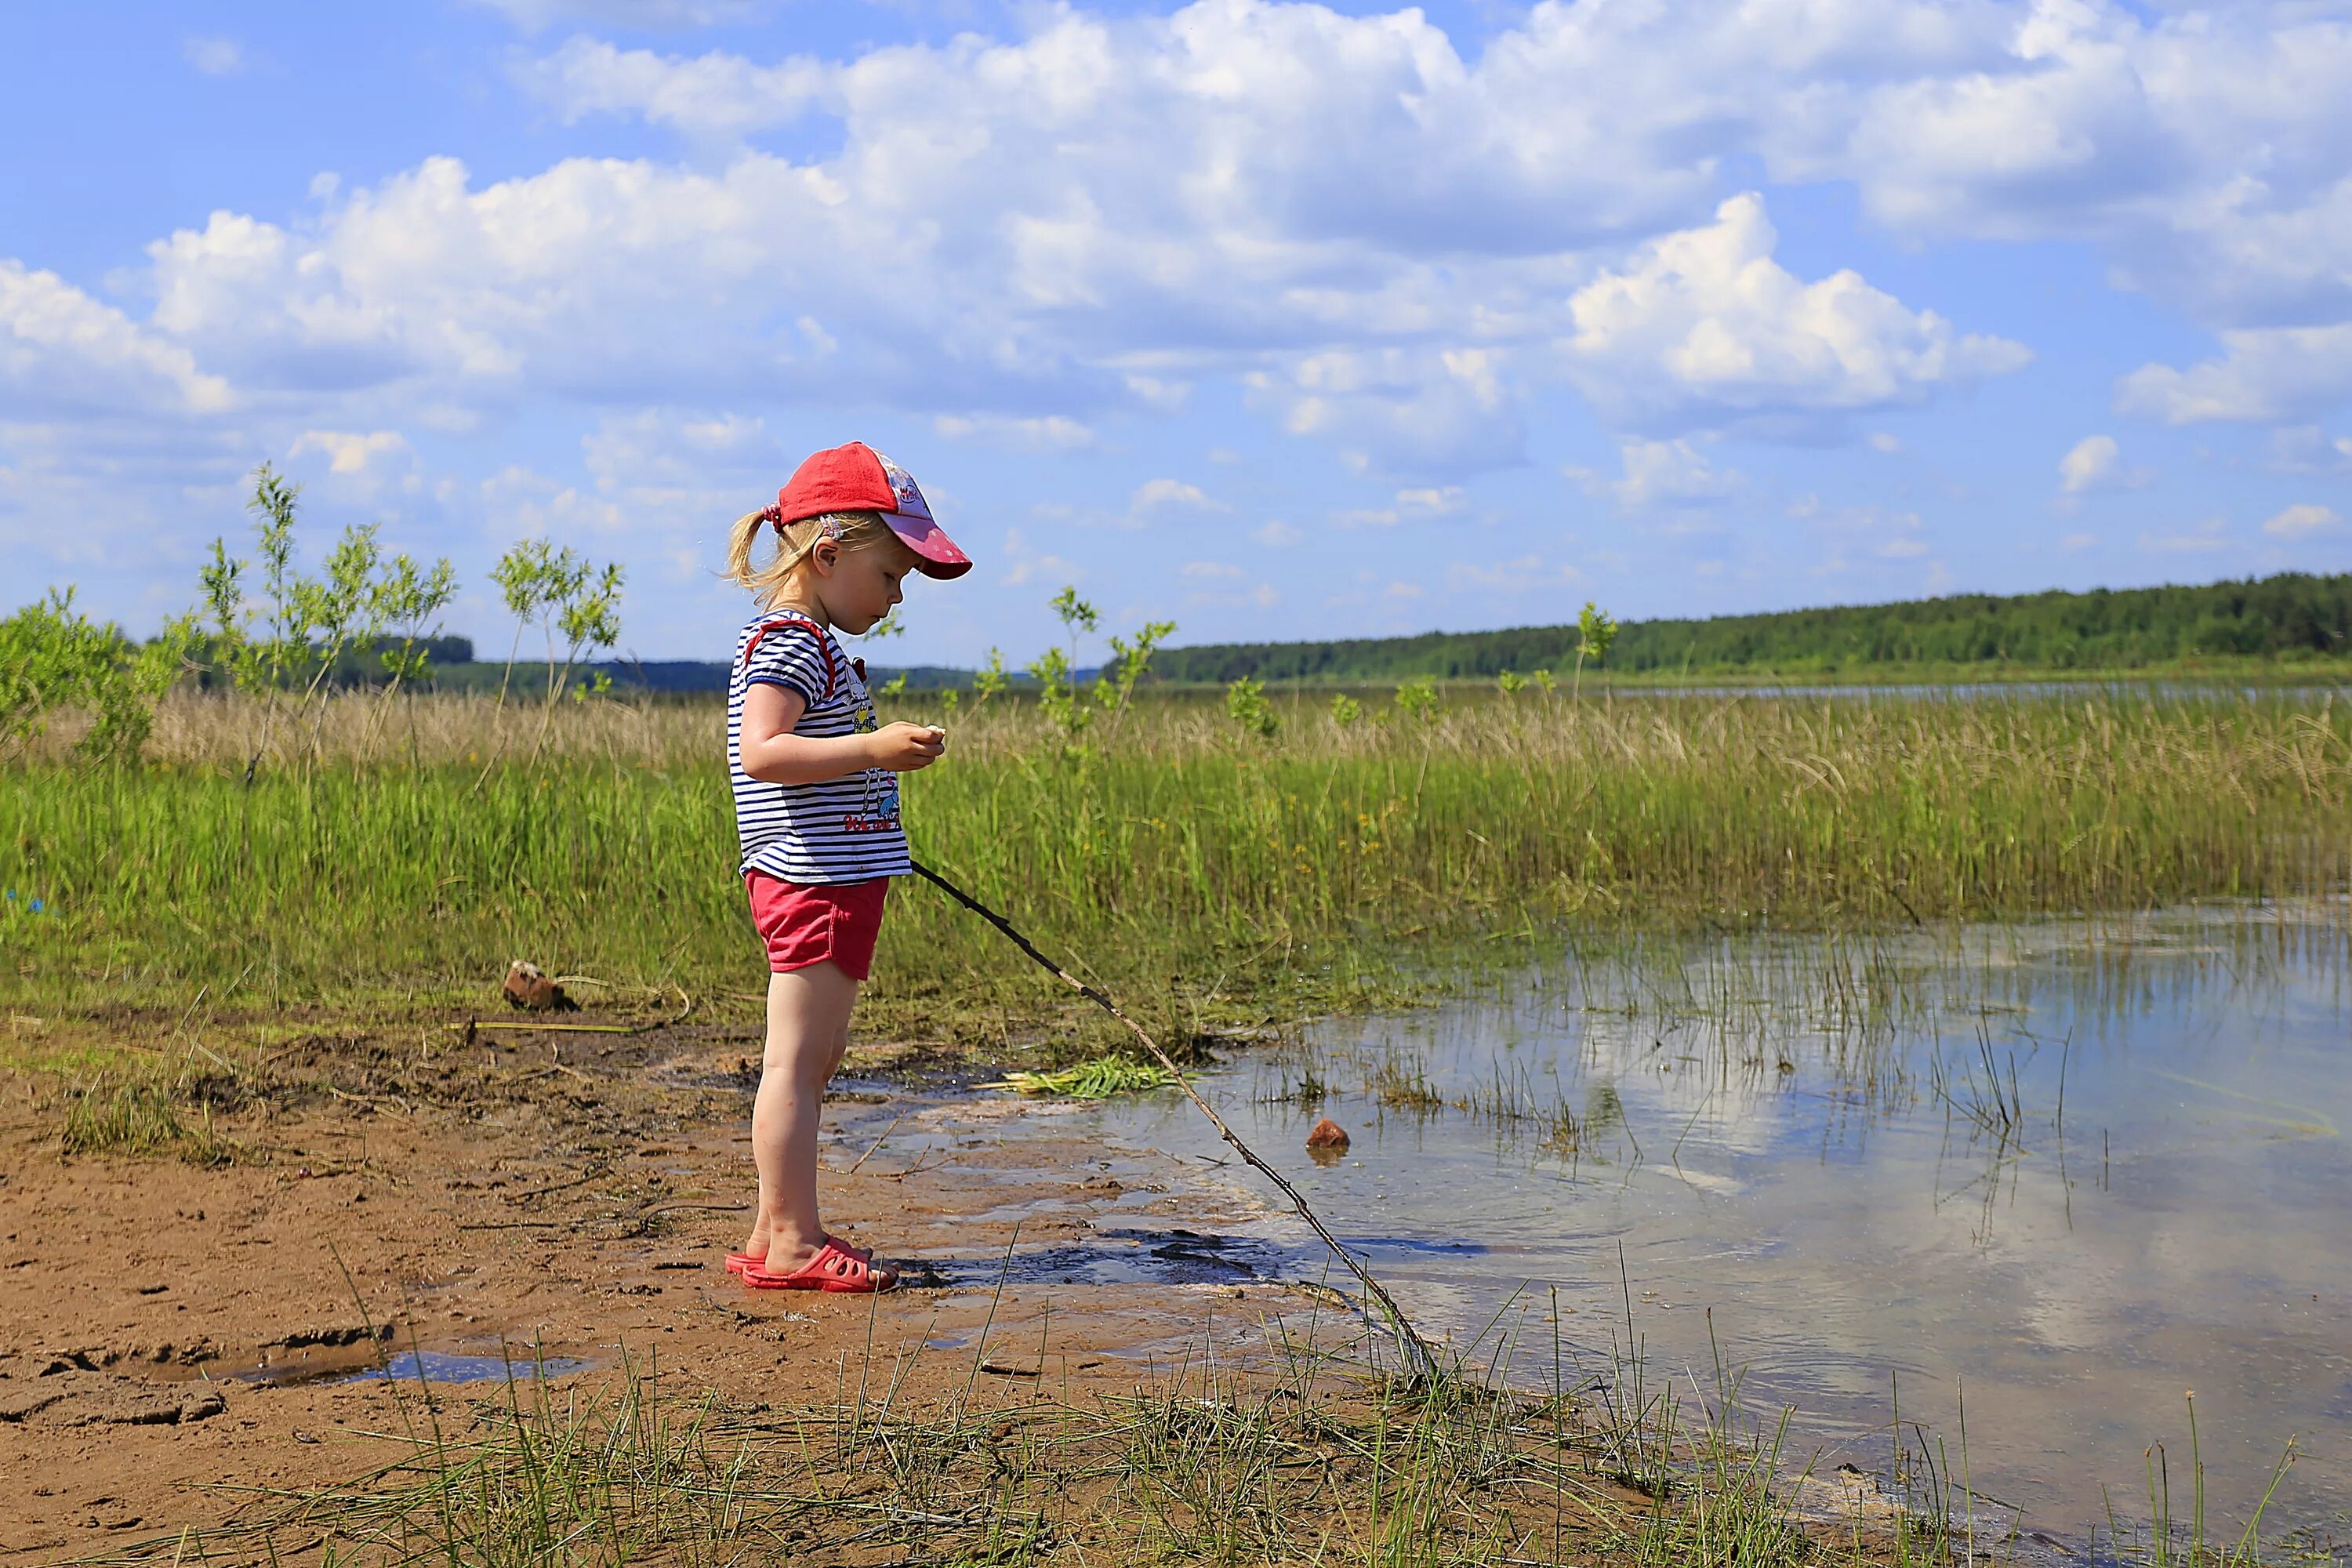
column 845, row 829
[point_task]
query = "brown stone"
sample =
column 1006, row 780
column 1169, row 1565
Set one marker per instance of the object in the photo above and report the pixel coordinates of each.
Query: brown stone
column 1329, row 1134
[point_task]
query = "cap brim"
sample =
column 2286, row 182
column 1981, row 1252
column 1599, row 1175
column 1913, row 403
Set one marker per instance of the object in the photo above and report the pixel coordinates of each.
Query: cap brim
column 935, row 553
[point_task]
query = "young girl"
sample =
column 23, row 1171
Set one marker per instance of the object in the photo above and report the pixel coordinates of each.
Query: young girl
column 816, row 808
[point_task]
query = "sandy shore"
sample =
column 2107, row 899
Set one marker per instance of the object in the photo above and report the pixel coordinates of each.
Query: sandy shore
column 170, row 1334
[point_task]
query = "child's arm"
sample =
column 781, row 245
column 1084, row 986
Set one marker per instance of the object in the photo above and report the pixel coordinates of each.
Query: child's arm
column 773, row 754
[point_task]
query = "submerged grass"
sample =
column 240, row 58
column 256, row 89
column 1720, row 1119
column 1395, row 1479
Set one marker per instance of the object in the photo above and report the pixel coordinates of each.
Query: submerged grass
column 1212, row 879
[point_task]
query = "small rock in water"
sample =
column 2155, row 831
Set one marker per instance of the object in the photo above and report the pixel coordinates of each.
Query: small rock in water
column 527, row 987
column 1329, row 1134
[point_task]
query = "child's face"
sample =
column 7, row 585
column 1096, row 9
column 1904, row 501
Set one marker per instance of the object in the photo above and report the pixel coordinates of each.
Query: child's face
column 862, row 585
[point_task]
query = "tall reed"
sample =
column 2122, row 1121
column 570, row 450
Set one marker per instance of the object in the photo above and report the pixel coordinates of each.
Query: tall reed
column 1177, row 847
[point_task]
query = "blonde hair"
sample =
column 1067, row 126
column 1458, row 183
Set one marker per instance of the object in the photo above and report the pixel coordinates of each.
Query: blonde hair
column 795, row 544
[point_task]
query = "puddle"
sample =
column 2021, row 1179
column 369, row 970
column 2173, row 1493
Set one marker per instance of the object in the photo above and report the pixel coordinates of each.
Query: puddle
column 2072, row 1175
column 1116, row 1256
column 299, row 1366
column 433, row 1366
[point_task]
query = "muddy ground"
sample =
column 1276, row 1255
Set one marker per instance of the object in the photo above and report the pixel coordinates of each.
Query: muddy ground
column 170, row 1334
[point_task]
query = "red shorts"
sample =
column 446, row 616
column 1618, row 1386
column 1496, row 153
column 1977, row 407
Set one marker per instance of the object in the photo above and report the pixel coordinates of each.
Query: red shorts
column 806, row 924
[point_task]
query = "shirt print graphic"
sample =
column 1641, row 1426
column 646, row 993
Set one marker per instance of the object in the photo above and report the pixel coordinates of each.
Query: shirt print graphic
column 878, row 813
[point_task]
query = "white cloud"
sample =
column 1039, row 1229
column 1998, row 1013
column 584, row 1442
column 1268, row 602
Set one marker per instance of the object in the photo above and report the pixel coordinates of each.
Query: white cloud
column 1392, row 247
column 2302, row 520
column 1199, row 570
column 346, row 451
column 1398, row 411
column 2096, row 463
column 1385, row 239
column 2074, row 542
column 1665, row 473
column 2270, row 373
column 2206, row 537
column 1154, row 495
column 1519, row 574
column 1411, row 506
column 1049, row 433
column 2093, row 463
column 1705, row 325
column 715, row 97
column 2305, row 449
column 1884, row 442
column 61, row 350
column 1275, row 535
column 213, row 57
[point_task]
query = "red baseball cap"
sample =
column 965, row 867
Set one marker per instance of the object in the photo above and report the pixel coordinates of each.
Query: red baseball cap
column 857, row 478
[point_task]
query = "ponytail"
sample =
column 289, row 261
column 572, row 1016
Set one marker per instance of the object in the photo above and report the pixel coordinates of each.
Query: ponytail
column 794, row 541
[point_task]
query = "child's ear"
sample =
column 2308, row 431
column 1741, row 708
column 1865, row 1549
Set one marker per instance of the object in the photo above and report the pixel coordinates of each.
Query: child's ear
column 826, row 554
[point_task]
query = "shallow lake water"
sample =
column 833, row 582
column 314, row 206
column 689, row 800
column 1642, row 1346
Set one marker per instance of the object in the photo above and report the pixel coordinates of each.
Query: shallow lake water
column 2064, row 1173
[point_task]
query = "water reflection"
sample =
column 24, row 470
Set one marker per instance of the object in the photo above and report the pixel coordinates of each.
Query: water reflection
column 2071, row 1172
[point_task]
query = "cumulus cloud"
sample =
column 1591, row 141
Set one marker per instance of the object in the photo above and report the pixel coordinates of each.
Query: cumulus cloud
column 2090, row 464
column 1052, row 433
column 2302, row 520
column 1275, row 535
column 1155, row 494
column 1661, row 473
column 1392, row 247
column 714, row 97
column 61, row 350
column 213, row 57
column 350, row 452
column 2096, row 463
column 2271, row 374
column 1704, row 324
column 2204, row 538
column 2306, row 449
column 1417, row 505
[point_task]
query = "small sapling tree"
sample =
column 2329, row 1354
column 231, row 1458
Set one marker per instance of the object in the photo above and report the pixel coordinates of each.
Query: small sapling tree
column 1114, row 689
column 1056, row 669
column 1595, row 630
column 308, row 625
column 1248, row 706
column 53, row 657
column 576, row 606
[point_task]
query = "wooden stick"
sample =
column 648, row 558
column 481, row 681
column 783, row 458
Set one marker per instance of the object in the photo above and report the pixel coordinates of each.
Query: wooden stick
column 1406, row 1334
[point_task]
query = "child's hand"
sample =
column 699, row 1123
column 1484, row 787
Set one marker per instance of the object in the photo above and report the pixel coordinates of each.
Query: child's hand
column 902, row 748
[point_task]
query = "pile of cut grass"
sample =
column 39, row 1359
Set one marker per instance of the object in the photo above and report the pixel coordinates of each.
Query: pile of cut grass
column 1208, row 878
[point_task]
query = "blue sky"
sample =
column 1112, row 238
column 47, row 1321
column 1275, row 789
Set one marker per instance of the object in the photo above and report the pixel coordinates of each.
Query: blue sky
column 1276, row 320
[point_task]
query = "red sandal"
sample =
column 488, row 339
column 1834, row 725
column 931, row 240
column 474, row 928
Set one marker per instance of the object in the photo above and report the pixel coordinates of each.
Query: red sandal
column 836, row 1269
column 737, row 1262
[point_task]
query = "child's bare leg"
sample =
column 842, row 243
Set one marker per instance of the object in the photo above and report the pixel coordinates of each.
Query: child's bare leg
column 808, row 1029
column 757, row 1246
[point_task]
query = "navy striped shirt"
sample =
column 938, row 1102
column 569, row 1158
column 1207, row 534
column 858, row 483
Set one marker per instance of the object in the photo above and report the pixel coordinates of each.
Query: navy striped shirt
column 845, row 829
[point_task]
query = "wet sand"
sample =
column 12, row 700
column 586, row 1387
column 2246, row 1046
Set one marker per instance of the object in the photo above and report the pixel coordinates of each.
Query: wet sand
column 168, row 1333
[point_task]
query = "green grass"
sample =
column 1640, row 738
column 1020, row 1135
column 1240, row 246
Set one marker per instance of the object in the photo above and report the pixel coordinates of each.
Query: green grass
column 112, row 1117
column 1207, row 878
column 1097, row 1079
column 1305, row 1461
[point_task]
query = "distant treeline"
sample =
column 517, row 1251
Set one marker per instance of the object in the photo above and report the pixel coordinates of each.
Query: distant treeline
column 2293, row 615
column 451, row 666
column 661, row 675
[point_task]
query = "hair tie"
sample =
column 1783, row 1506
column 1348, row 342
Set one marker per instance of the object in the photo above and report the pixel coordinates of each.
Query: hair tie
column 773, row 514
